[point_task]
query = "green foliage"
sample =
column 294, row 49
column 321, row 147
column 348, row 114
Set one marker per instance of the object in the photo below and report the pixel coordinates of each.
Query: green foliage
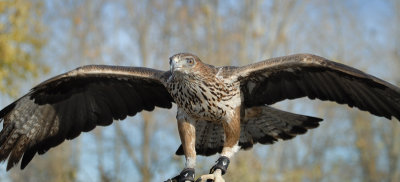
column 20, row 42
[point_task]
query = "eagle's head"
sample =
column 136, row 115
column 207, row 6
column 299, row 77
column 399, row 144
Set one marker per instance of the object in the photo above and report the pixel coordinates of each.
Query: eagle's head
column 184, row 63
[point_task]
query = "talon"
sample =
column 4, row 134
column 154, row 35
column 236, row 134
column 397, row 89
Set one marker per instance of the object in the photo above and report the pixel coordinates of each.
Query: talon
column 222, row 163
column 214, row 177
column 174, row 179
column 216, row 171
column 187, row 175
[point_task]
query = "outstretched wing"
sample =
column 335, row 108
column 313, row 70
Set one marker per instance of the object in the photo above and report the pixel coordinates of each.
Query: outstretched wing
column 64, row 106
column 303, row 75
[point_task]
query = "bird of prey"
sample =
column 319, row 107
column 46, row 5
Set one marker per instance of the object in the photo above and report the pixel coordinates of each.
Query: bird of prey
column 220, row 109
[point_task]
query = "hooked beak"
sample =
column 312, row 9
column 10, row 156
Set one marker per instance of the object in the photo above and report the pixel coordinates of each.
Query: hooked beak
column 173, row 64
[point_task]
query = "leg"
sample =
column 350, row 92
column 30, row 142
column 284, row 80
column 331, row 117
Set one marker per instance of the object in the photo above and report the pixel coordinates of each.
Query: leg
column 187, row 133
column 232, row 135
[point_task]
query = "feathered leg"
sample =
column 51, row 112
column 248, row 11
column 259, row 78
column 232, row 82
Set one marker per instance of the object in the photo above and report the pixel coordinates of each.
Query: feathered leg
column 232, row 135
column 187, row 133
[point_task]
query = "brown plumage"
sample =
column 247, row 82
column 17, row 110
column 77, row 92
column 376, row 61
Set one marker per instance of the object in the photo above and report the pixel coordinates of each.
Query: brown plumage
column 220, row 109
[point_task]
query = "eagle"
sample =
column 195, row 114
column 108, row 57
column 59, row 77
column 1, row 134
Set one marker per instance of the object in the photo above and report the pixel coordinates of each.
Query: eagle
column 219, row 109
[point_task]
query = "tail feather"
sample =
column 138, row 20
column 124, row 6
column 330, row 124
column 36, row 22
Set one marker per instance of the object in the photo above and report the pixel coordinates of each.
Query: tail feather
column 262, row 124
column 266, row 125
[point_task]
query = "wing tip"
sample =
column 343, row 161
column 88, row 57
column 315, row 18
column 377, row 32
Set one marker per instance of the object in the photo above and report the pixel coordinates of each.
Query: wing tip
column 7, row 110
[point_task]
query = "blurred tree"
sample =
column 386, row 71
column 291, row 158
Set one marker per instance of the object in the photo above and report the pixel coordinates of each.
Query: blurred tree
column 21, row 41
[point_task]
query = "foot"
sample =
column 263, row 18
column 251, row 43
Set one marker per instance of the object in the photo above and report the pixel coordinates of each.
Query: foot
column 216, row 176
column 187, row 175
column 216, row 171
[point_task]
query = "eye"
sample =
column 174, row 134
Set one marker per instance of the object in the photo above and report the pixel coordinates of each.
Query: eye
column 189, row 61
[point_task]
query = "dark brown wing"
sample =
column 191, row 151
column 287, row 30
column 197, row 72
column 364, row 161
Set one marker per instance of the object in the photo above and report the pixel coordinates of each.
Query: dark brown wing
column 64, row 106
column 303, row 75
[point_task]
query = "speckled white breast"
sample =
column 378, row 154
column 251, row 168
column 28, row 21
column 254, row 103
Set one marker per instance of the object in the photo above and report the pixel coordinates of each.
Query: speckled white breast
column 211, row 100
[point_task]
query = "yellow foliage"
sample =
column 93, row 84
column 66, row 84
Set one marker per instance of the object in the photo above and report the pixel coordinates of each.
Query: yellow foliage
column 20, row 42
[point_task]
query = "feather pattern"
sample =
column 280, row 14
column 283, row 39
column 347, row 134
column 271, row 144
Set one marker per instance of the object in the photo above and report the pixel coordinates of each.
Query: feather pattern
column 305, row 75
column 64, row 106
column 262, row 124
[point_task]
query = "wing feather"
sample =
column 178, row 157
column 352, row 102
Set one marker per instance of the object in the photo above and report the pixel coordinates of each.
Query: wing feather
column 301, row 75
column 64, row 106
